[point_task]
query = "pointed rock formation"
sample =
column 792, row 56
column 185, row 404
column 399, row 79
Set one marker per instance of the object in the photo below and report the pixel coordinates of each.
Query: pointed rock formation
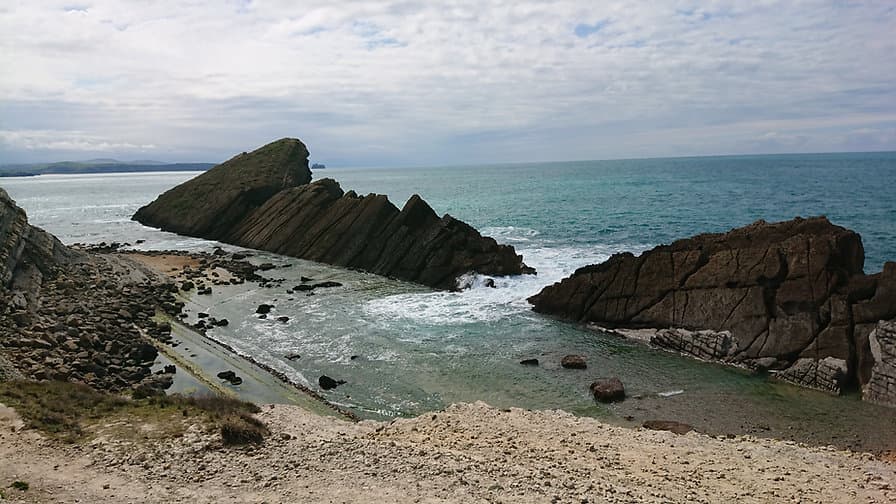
column 790, row 297
column 263, row 200
column 210, row 204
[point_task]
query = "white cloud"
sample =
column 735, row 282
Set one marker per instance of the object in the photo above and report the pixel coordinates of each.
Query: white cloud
column 401, row 82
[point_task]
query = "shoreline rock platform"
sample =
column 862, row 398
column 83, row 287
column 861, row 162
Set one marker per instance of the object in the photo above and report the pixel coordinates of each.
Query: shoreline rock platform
column 265, row 200
column 790, row 298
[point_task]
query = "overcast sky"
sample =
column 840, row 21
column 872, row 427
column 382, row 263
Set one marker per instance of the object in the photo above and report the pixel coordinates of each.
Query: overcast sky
column 439, row 83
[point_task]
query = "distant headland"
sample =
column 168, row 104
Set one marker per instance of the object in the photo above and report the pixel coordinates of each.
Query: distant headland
column 97, row 166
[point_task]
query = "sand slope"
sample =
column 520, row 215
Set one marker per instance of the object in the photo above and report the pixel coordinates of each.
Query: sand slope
column 468, row 453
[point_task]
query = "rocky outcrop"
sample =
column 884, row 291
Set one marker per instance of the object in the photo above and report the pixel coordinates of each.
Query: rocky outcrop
column 211, row 204
column 319, row 222
column 27, row 253
column 790, row 297
column 881, row 386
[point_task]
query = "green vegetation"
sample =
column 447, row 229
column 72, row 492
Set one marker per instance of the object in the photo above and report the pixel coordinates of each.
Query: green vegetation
column 71, row 412
column 20, row 485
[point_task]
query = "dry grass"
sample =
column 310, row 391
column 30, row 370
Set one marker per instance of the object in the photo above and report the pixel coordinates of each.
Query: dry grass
column 66, row 410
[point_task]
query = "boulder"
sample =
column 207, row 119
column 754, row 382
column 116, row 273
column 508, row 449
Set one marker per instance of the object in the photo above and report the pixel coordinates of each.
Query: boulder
column 608, row 390
column 574, row 362
column 328, row 383
column 264, row 200
column 769, row 295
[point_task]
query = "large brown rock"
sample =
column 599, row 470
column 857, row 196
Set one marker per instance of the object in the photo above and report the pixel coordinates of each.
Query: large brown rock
column 788, row 293
column 318, row 221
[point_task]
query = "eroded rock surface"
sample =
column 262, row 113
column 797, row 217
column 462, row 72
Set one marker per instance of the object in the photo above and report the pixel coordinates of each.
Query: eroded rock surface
column 881, row 386
column 789, row 294
column 279, row 211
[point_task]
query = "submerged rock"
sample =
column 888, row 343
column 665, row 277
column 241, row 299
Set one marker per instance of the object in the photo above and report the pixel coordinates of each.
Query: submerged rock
column 668, row 425
column 328, row 383
column 264, row 200
column 782, row 295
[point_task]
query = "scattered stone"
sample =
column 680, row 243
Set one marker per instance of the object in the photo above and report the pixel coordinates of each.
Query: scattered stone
column 574, row 362
column 293, row 356
column 529, row 362
column 283, row 319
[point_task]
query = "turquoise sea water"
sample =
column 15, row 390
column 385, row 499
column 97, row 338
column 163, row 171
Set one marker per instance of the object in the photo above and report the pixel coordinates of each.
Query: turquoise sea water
column 418, row 350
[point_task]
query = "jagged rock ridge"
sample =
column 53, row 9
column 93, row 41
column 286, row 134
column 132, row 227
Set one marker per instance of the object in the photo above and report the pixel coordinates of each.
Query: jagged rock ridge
column 317, row 221
column 790, row 294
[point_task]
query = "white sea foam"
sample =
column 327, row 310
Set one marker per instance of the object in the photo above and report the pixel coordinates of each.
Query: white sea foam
column 484, row 304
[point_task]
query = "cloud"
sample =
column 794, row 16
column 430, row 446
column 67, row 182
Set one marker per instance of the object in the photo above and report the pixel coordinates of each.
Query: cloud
column 52, row 140
column 400, row 82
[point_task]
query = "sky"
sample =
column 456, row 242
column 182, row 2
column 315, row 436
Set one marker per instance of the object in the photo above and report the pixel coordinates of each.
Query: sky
column 398, row 83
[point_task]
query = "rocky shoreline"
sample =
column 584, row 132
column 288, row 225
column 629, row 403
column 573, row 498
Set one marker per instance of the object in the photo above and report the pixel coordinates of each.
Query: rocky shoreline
column 790, row 298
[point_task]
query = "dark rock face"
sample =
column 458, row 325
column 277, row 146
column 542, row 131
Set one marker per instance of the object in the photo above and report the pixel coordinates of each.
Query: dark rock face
column 275, row 209
column 782, row 295
column 210, row 204
column 27, row 253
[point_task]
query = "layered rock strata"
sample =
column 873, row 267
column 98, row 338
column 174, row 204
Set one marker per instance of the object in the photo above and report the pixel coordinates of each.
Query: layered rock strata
column 792, row 296
column 274, row 208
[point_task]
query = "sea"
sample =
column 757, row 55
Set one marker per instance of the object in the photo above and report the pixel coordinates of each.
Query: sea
column 404, row 349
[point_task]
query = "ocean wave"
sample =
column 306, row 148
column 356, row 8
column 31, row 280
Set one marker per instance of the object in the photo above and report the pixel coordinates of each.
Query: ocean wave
column 481, row 303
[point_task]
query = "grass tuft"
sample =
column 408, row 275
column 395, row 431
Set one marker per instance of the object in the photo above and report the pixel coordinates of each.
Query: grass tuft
column 242, row 429
column 20, row 485
column 62, row 409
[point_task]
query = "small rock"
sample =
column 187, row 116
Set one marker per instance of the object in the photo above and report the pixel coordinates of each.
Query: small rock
column 264, row 309
column 328, row 383
column 293, row 356
column 529, row 362
column 574, row 362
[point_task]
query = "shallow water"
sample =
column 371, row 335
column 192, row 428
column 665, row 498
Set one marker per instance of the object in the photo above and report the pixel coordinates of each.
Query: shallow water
column 418, row 350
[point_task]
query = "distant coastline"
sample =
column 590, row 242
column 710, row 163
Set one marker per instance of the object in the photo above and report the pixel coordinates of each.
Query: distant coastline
column 31, row 170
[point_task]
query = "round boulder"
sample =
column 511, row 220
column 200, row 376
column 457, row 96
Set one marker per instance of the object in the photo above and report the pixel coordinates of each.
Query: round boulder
column 608, row 390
